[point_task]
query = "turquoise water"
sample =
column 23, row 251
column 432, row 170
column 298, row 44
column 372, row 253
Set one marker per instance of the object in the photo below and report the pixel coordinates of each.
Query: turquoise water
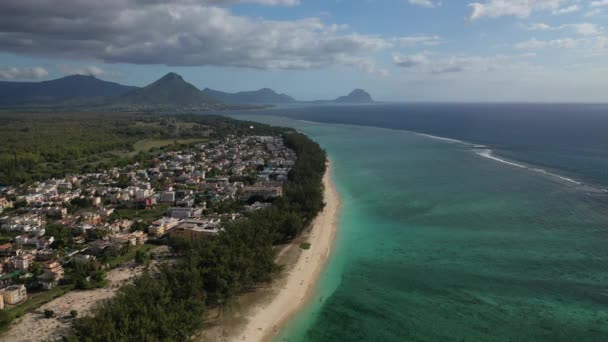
column 439, row 244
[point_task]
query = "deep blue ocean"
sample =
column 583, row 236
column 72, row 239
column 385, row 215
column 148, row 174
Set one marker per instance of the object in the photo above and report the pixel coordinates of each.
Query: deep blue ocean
column 461, row 222
column 569, row 138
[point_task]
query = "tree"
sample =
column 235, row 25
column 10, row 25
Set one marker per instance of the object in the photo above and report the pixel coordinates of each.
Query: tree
column 49, row 313
column 140, row 256
column 73, row 313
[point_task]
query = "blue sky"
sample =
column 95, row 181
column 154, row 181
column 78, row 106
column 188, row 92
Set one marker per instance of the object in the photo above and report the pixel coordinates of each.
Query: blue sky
column 398, row 50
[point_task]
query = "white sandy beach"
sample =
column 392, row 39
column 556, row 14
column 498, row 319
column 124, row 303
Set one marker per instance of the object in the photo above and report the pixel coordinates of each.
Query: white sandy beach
column 266, row 319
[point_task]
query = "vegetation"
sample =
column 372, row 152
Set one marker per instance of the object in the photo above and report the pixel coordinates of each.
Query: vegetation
column 49, row 313
column 36, row 146
column 169, row 305
column 305, row 245
column 32, row 303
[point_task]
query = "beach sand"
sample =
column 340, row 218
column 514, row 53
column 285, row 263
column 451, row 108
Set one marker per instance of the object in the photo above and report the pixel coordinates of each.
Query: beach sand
column 265, row 319
column 34, row 327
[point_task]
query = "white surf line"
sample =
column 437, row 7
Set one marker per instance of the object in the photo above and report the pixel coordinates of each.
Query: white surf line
column 488, row 154
column 442, row 138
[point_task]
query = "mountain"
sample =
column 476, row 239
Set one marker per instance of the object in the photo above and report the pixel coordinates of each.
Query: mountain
column 355, row 96
column 262, row 96
column 76, row 87
column 170, row 90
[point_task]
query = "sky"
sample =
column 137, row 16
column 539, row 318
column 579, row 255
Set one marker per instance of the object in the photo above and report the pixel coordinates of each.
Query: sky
column 398, row 50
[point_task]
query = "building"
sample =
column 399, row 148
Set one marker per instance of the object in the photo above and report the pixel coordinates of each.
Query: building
column 14, row 294
column 184, row 213
column 196, row 229
column 23, row 262
column 53, row 268
column 262, row 191
column 160, row 227
column 6, row 249
column 81, row 259
column 167, row 197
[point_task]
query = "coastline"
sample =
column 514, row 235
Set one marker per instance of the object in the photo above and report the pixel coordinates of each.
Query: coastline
column 266, row 319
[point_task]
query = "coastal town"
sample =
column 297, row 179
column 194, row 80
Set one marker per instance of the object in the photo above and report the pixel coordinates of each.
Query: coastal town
column 67, row 233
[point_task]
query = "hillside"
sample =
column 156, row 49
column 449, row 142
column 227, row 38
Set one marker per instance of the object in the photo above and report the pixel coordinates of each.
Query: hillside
column 356, row 96
column 170, row 90
column 262, row 96
column 70, row 88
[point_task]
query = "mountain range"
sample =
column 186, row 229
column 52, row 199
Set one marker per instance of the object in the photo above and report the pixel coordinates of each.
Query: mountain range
column 169, row 91
column 68, row 88
column 262, row 96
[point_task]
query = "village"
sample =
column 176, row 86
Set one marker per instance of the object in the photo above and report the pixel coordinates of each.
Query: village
column 70, row 231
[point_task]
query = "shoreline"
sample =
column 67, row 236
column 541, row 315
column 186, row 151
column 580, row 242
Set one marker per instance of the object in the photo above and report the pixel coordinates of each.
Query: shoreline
column 265, row 320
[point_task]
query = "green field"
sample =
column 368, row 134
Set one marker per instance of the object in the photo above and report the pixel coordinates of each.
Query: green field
column 147, row 145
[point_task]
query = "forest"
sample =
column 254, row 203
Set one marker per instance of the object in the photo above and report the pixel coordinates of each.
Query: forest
column 169, row 304
column 37, row 146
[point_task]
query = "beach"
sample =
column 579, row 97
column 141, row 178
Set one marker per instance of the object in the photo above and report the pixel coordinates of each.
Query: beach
column 34, row 327
column 265, row 319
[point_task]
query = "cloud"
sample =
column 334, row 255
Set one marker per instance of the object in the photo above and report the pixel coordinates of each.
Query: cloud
column 584, row 29
column 425, row 3
column 182, row 33
column 515, row 8
column 563, row 43
column 587, row 29
column 410, row 61
column 456, row 64
column 417, row 40
column 590, row 45
column 566, row 10
column 599, row 3
column 86, row 70
column 15, row 73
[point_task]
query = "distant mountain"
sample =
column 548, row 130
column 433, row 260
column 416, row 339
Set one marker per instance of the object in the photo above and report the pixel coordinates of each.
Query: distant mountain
column 170, row 90
column 70, row 88
column 262, row 96
column 356, row 96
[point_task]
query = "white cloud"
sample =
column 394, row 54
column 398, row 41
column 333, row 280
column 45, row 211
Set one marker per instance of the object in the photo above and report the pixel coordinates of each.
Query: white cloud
column 425, row 3
column 568, row 9
column 590, row 45
column 584, row 29
column 16, row 73
column 465, row 63
column 410, row 61
column 587, row 29
column 599, row 3
column 86, row 70
column 564, row 43
column 516, row 8
column 417, row 40
column 184, row 33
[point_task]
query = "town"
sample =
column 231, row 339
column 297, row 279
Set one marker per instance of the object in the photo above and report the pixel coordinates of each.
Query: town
column 71, row 230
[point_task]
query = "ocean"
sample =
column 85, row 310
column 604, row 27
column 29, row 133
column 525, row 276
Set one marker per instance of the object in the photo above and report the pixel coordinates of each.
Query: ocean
column 476, row 223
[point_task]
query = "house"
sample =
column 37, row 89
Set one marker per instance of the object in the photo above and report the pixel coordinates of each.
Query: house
column 190, row 230
column 167, row 197
column 262, row 191
column 160, row 227
column 54, row 268
column 14, row 294
column 23, row 262
column 6, row 249
column 81, row 259
column 184, row 213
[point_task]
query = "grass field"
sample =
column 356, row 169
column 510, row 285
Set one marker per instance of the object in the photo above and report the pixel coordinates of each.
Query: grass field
column 147, row 144
column 130, row 255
